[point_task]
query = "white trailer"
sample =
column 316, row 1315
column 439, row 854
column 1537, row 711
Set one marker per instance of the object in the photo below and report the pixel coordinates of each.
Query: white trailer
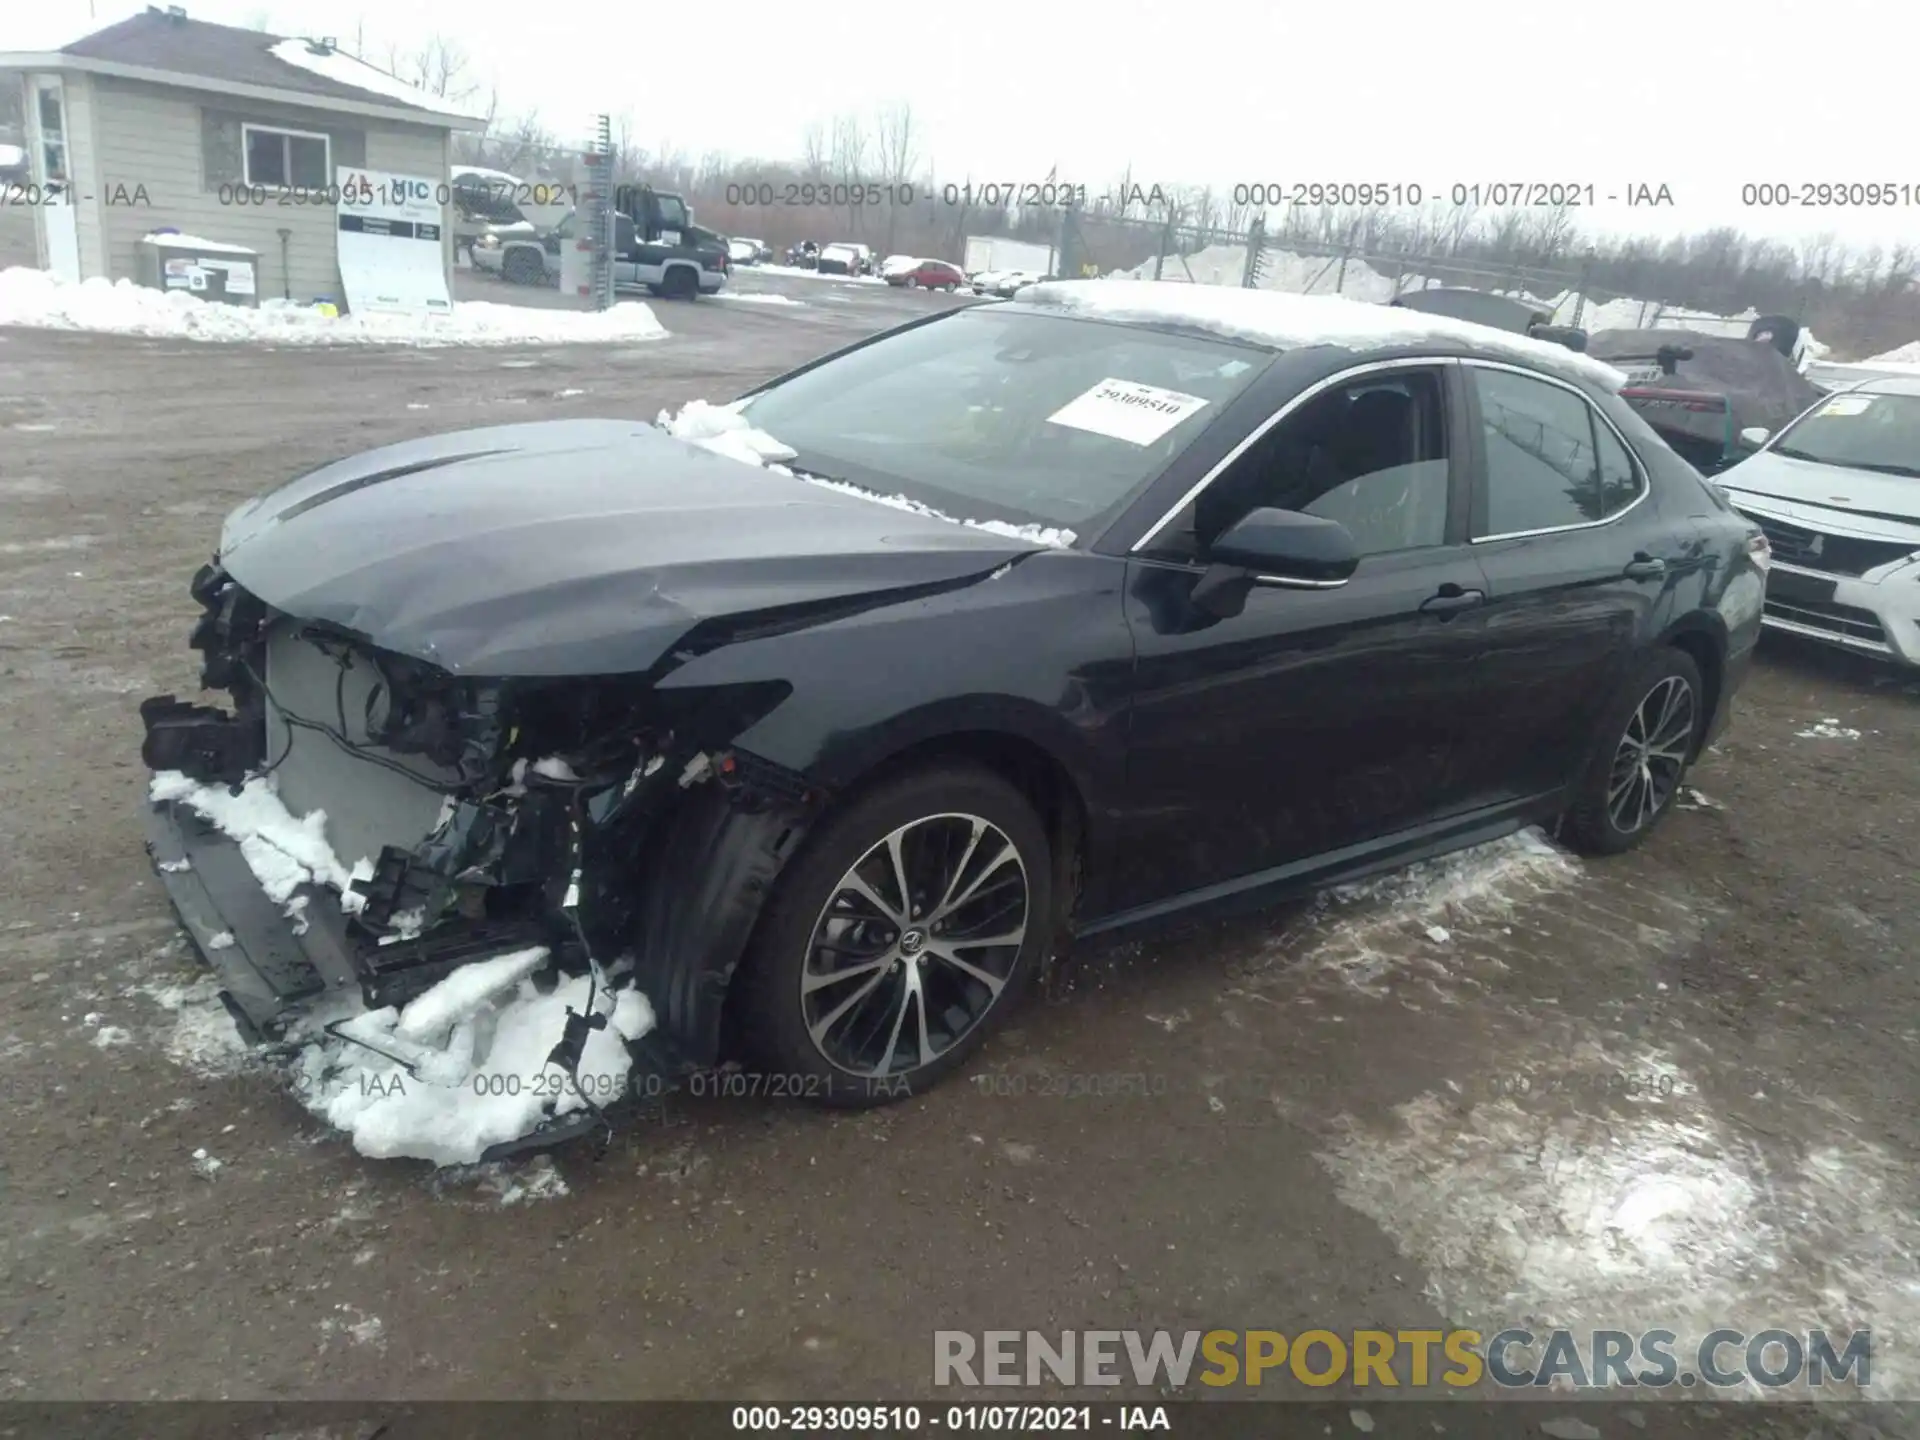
column 986, row 252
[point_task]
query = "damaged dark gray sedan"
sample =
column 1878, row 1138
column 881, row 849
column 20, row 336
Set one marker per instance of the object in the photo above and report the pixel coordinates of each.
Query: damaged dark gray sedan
column 822, row 719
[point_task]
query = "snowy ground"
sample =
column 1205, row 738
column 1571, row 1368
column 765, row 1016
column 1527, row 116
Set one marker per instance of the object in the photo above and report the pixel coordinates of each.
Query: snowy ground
column 1375, row 1093
column 36, row 298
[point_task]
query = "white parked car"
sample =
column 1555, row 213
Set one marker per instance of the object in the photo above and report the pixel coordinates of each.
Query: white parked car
column 1838, row 494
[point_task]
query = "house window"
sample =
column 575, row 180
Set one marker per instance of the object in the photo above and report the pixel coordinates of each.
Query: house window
column 298, row 159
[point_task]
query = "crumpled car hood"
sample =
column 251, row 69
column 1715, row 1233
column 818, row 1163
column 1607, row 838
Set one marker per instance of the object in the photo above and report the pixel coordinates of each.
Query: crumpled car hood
column 572, row 547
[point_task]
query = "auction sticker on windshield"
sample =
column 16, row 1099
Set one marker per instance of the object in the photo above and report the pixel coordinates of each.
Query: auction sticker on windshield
column 1847, row 405
column 1127, row 410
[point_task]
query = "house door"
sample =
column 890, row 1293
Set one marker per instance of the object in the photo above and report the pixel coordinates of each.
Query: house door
column 58, row 220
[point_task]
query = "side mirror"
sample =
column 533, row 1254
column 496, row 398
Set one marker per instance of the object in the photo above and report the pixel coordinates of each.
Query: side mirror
column 1754, row 436
column 1284, row 544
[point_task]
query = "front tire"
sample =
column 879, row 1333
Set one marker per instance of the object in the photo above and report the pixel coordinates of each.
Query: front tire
column 523, row 267
column 1640, row 759
column 908, row 928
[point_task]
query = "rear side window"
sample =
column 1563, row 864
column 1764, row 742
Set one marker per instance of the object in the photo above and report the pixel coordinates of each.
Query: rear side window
column 1620, row 479
column 1542, row 469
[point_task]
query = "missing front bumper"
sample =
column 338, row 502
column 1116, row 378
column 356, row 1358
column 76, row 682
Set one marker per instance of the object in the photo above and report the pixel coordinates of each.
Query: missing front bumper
column 270, row 964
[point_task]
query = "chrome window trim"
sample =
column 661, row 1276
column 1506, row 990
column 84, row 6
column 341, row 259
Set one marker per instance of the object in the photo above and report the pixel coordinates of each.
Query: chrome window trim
column 1633, row 458
column 1254, row 436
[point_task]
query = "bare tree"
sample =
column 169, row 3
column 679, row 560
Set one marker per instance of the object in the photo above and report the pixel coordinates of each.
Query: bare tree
column 440, row 67
column 896, row 145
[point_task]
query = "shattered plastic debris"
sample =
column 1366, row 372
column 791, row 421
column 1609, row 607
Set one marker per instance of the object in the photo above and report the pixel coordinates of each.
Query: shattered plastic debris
column 205, row 1164
column 725, row 430
column 1439, row 934
column 1699, row 800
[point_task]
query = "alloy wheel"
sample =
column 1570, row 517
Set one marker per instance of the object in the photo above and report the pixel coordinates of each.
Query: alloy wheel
column 1651, row 755
column 914, row 945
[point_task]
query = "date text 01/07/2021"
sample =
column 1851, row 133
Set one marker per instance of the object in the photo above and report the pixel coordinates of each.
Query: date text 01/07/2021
column 977, row 1416
column 991, row 194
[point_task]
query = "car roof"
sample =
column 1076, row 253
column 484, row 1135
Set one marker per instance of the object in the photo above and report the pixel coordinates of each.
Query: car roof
column 1888, row 385
column 1276, row 320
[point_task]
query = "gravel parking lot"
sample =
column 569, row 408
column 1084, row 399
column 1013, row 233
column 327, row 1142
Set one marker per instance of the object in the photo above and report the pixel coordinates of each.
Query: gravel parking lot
column 1675, row 1089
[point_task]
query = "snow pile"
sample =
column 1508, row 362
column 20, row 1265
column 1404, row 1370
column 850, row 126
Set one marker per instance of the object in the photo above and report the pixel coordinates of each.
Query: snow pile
column 284, row 852
column 344, row 69
column 119, row 307
column 1290, row 321
column 816, row 275
column 475, row 1071
column 1908, row 354
column 1828, row 729
column 193, row 242
column 725, row 430
column 758, row 297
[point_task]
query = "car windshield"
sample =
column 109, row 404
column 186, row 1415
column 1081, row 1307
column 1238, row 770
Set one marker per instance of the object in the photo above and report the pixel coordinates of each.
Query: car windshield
column 998, row 414
column 1863, row 432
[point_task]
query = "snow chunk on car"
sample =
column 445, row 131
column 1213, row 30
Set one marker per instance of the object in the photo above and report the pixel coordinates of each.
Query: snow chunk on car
column 490, row 1080
column 725, row 430
column 1289, row 322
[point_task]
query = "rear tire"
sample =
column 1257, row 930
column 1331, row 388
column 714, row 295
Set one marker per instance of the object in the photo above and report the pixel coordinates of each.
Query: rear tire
column 869, row 1000
column 1640, row 758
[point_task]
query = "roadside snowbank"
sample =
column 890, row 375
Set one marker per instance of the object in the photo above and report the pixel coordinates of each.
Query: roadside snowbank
column 811, row 274
column 725, row 430
column 36, row 298
column 1908, row 354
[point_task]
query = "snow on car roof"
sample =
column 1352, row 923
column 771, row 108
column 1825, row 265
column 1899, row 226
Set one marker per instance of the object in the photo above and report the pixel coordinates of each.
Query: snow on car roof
column 1290, row 322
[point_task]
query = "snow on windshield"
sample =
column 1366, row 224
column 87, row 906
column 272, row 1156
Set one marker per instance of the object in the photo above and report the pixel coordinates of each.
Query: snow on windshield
column 1295, row 321
column 726, row 431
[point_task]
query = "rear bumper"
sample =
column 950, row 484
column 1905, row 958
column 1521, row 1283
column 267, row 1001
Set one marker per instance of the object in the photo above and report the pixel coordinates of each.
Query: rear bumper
column 265, row 963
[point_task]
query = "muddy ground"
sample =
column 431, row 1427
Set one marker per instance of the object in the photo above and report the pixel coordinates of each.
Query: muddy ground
column 1675, row 1089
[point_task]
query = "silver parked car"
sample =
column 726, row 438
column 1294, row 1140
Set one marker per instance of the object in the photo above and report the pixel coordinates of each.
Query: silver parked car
column 1838, row 494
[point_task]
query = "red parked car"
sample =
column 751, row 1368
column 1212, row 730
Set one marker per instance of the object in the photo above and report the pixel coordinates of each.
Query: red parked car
column 930, row 275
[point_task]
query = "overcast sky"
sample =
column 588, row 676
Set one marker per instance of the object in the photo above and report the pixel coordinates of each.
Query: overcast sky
column 1699, row 95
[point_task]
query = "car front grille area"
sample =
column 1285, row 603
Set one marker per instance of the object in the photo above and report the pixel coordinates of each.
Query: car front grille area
column 1847, row 621
column 1833, row 554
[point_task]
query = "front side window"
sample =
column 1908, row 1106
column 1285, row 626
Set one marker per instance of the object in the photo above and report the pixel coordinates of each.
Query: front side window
column 991, row 414
column 1864, row 432
column 1371, row 454
column 287, row 158
column 1542, row 471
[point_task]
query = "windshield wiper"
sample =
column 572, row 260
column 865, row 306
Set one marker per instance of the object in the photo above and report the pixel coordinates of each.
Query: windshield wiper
column 1793, row 454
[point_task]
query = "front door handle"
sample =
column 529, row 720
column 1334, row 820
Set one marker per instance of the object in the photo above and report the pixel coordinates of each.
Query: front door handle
column 1451, row 599
column 1645, row 567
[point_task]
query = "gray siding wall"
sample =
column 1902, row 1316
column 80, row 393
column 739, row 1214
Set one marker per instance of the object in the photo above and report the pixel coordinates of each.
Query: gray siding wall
column 183, row 147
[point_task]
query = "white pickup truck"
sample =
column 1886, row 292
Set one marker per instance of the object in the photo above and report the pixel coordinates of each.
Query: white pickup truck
column 668, row 255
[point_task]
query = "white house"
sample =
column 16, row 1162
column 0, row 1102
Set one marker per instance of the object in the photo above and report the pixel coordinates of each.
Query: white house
column 227, row 134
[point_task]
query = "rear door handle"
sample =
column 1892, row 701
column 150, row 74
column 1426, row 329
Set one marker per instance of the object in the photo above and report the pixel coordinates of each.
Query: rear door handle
column 1451, row 599
column 1645, row 567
